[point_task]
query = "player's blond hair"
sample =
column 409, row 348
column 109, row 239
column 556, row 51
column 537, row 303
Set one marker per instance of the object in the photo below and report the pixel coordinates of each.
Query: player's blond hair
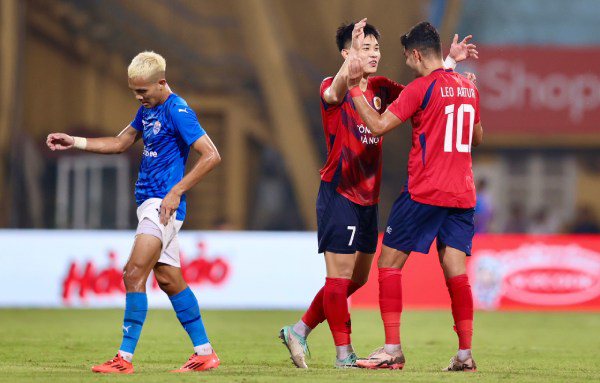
column 146, row 64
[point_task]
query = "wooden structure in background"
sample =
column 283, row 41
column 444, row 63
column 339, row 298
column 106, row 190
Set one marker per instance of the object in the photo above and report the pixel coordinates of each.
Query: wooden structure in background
column 10, row 55
column 251, row 69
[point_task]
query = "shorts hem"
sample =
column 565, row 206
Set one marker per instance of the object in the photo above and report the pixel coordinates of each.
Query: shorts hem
column 405, row 250
column 468, row 254
column 368, row 251
column 171, row 263
column 338, row 251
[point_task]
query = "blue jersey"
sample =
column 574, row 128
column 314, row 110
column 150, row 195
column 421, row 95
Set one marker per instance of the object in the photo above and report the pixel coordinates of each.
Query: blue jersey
column 168, row 131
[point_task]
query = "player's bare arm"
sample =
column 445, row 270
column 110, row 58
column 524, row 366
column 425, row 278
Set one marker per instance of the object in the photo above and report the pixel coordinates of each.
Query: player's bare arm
column 334, row 95
column 477, row 134
column 460, row 51
column 378, row 124
column 103, row 145
column 209, row 159
column 339, row 86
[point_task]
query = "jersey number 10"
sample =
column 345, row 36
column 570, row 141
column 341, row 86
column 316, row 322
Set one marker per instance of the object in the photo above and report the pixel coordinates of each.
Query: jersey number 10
column 460, row 115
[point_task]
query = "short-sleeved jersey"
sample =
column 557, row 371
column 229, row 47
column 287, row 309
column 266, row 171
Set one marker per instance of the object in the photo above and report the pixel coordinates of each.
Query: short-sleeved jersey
column 444, row 107
column 168, row 131
column 353, row 153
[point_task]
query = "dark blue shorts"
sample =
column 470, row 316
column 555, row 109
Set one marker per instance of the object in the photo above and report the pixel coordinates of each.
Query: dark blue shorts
column 412, row 226
column 343, row 226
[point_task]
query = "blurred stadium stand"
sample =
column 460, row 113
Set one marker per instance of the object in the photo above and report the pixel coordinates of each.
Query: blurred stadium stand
column 251, row 69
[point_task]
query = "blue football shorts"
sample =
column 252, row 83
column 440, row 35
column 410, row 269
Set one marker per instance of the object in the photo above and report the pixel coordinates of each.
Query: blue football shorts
column 412, row 226
column 344, row 226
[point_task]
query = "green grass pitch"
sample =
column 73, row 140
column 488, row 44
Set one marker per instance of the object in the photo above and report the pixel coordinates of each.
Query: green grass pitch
column 62, row 345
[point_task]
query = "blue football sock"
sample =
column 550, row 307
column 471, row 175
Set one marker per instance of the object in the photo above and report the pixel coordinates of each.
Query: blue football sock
column 136, row 307
column 188, row 313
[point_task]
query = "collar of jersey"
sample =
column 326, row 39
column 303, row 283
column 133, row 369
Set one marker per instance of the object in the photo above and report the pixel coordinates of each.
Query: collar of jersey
column 442, row 69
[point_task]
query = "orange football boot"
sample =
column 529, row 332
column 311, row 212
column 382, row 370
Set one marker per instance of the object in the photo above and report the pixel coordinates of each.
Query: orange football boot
column 116, row 365
column 200, row 363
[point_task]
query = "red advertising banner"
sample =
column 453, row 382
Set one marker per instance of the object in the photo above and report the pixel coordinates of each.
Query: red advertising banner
column 88, row 279
column 507, row 272
column 545, row 90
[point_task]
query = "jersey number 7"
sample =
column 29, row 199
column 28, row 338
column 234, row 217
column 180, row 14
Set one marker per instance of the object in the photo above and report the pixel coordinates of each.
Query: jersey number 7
column 460, row 115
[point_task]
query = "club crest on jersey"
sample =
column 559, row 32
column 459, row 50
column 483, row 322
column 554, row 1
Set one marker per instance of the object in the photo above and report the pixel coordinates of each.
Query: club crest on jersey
column 156, row 128
column 377, row 102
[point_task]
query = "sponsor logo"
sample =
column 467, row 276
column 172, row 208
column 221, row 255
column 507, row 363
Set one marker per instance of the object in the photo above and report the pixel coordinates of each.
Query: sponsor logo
column 149, row 153
column 156, row 128
column 126, row 328
column 182, row 110
column 366, row 137
column 377, row 102
column 537, row 274
column 88, row 280
column 388, row 230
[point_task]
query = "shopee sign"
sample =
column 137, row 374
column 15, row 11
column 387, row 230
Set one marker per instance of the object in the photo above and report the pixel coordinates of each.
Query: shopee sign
column 538, row 89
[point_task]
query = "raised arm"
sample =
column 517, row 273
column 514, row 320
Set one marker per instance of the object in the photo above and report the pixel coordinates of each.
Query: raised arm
column 102, row 145
column 378, row 124
column 209, row 159
column 334, row 95
column 336, row 92
column 460, row 51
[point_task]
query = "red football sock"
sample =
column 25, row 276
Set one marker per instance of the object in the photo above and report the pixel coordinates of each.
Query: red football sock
column 390, row 302
column 353, row 287
column 335, row 303
column 316, row 313
column 462, row 309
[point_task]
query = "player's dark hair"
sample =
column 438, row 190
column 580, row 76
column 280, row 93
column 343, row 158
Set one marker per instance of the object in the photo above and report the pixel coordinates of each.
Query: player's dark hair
column 424, row 38
column 343, row 35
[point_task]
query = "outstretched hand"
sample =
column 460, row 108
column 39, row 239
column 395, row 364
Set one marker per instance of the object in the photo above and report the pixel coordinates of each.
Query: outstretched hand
column 358, row 36
column 471, row 76
column 460, row 51
column 355, row 72
column 59, row 141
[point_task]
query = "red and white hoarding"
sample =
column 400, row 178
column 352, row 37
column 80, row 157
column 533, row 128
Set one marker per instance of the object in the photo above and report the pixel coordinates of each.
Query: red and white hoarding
column 508, row 272
column 265, row 270
column 231, row 270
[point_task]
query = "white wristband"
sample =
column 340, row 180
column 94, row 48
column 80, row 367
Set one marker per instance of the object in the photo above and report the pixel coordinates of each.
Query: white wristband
column 449, row 63
column 80, row 143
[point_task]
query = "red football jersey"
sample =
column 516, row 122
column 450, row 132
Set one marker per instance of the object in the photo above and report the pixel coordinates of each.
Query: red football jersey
column 444, row 107
column 353, row 153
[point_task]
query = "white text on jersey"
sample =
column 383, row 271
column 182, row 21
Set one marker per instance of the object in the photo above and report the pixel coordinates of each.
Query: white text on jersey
column 448, row 91
column 366, row 137
column 150, row 153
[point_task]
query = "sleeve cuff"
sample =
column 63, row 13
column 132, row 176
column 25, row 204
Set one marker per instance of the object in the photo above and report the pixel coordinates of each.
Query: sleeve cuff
column 449, row 63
